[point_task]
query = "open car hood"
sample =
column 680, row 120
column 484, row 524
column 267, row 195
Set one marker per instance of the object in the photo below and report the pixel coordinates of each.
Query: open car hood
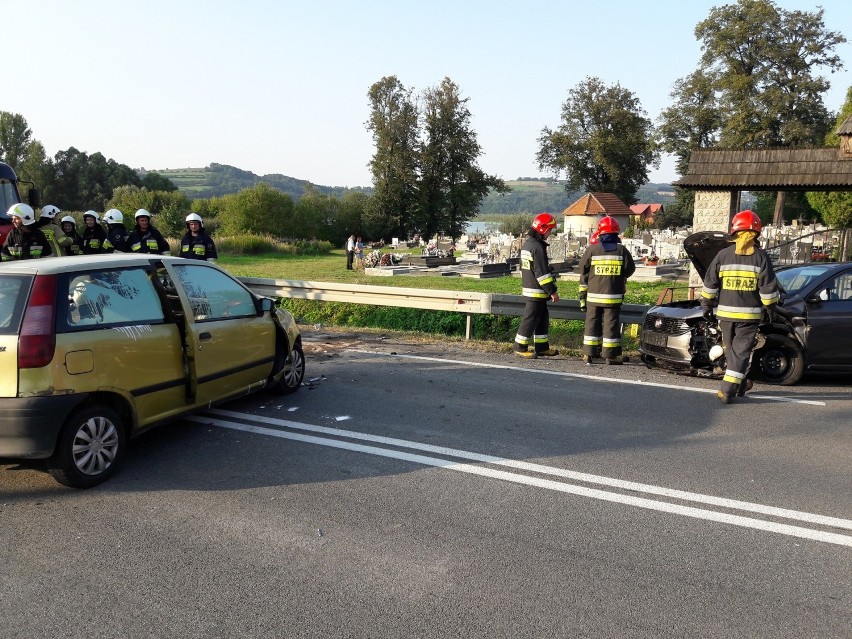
column 703, row 246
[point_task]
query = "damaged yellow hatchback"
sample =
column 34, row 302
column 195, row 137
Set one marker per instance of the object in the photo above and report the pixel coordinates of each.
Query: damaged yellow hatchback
column 97, row 349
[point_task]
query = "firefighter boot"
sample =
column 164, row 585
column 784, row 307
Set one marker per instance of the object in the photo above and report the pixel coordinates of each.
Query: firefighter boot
column 550, row 352
column 744, row 387
column 723, row 397
column 526, row 354
column 615, row 360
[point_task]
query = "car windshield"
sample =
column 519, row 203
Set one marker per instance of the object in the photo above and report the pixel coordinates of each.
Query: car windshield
column 798, row 277
column 8, row 197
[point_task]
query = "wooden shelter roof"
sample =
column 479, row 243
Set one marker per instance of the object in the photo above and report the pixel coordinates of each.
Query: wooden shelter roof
column 773, row 169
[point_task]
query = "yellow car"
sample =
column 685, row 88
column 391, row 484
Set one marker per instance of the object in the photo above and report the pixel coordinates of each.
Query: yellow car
column 96, row 349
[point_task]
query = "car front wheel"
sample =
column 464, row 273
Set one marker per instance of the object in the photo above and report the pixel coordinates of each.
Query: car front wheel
column 90, row 447
column 780, row 361
column 294, row 371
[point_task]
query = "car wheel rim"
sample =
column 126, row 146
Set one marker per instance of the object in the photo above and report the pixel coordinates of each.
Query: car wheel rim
column 293, row 369
column 776, row 364
column 95, row 446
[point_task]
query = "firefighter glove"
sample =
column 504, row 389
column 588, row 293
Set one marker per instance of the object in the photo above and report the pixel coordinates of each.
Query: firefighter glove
column 707, row 312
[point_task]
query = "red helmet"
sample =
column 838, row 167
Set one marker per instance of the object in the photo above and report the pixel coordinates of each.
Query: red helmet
column 608, row 224
column 593, row 239
column 746, row 221
column 543, row 222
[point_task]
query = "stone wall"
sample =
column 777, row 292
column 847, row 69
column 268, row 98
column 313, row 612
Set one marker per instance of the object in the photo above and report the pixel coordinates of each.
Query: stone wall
column 713, row 212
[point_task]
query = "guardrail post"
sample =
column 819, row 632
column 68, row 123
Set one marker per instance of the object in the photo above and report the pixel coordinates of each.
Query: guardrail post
column 468, row 326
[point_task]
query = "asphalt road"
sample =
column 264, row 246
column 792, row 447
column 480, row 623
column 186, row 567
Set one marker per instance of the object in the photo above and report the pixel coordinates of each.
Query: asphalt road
column 433, row 490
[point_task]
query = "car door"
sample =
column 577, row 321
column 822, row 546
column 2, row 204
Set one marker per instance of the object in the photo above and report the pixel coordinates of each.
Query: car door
column 230, row 343
column 113, row 336
column 829, row 343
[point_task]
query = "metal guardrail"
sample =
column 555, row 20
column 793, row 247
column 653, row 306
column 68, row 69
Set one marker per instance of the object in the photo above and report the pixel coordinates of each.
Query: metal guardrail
column 436, row 300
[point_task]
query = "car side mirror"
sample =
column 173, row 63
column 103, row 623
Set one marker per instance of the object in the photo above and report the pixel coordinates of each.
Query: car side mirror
column 266, row 304
column 822, row 296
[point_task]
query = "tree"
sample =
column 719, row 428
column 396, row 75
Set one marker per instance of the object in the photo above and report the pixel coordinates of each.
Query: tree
column 168, row 209
column 259, row 209
column 85, row 182
column 155, row 182
column 15, row 138
column 451, row 183
column 394, row 125
column 604, row 144
column 763, row 62
column 836, row 207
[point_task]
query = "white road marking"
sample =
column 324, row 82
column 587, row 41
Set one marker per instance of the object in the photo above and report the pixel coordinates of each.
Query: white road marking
column 641, row 502
column 594, row 378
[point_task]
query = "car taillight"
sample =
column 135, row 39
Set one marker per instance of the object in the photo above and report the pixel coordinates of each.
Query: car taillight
column 38, row 338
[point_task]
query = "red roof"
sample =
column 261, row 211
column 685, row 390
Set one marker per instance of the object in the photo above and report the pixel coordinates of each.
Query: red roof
column 598, row 203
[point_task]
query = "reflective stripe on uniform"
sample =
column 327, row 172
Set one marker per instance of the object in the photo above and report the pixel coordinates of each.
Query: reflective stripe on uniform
column 709, row 293
column 520, row 339
column 535, row 293
column 547, row 278
column 540, row 339
column 738, row 312
column 592, row 340
column 610, row 342
column 604, row 298
column 770, row 298
column 733, row 377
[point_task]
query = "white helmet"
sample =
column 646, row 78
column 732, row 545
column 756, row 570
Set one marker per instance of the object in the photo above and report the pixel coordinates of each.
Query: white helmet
column 50, row 211
column 68, row 218
column 195, row 217
column 23, row 211
column 91, row 214
column 142, row 213
column 113, row 216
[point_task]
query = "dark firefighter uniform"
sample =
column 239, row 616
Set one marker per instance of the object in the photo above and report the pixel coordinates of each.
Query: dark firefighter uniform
column 25, row 245
column 743, row 285
column 198, row 247
column 116, row 239
column 149, row 241
column 94, row 240
column 538, row 284
column 603, row 282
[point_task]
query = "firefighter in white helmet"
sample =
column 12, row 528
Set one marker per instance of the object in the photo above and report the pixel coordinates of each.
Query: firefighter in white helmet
column 69, row 228
column 24, row 241
column 117, row 234
column 94, row 236
column 145, row 238
column 196, row 244
column 52, row 231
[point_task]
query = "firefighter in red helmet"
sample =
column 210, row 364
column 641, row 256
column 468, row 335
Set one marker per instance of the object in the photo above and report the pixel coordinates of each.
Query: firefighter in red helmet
column 539, row 286
column 740, row 284
column 604, row 270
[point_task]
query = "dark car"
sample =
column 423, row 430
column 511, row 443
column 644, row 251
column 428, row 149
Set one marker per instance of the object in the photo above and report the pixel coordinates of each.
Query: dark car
column 813, row 330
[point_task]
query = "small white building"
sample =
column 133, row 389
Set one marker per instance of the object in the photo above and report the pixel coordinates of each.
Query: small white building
column 581, row 217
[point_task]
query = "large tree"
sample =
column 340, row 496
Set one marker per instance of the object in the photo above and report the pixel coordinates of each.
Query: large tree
column 693, row 121
column 763, row 61
column 836, row 207
column 394, row 125
column 87, row 182
column 451, row 183
column 604, row 144
column 15, row 138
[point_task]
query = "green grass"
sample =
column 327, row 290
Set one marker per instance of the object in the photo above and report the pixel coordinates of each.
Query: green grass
column 565, row 334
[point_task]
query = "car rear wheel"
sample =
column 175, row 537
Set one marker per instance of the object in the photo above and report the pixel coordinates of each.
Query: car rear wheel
column 294, row 371
column 780, row 361
column 90, row 447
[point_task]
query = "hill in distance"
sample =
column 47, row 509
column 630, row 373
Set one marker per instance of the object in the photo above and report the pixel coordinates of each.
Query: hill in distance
column 528, row 194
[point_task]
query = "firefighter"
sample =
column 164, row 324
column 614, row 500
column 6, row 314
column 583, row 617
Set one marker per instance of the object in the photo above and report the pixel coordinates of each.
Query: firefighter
column 94, row 236
column 740, row 284
column 116, row 237
column 69, row 227
column 604, row 270
column 538, row 287
column 145, row 238
column 52, row 231
column 25, row 241
column 196, row 244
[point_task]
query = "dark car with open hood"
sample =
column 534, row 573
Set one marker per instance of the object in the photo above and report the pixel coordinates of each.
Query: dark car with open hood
column 813, row 330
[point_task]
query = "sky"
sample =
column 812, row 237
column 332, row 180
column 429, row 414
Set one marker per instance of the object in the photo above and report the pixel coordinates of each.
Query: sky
column 281, row 87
